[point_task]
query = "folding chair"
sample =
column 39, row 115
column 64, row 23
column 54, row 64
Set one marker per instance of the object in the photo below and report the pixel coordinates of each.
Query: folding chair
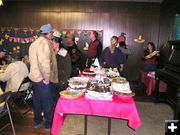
column 4, row 98
column 21, row 97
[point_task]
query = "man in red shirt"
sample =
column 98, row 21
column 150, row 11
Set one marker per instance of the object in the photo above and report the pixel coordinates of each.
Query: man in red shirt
column 95, row 48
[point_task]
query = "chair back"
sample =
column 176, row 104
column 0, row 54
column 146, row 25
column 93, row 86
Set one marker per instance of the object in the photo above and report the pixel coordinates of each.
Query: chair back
column 5, row 96
column 26, row 80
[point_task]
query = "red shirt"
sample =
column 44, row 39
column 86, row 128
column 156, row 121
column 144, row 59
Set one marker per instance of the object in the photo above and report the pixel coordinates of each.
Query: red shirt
column 95, row 49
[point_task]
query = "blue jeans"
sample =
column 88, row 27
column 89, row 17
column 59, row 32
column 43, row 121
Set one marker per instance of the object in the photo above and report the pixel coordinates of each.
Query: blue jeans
column 42, row 102
column 56, row 88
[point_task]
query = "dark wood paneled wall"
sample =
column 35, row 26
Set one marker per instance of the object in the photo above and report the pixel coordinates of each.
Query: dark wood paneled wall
column 169, row 8
column 112, row 17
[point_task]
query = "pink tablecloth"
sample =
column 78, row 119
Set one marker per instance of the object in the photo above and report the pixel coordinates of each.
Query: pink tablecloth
column 120, row 107
column 150, row 83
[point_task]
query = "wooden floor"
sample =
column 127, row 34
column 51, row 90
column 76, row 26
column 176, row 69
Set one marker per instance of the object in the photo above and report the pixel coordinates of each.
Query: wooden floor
column 25, row 126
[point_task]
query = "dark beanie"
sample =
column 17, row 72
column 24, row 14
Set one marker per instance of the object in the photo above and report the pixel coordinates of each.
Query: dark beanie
column 16, row 56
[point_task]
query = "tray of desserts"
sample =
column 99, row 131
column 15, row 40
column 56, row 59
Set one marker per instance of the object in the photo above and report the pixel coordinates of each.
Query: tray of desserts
column 112, row 73
column 99, row 89
column 71, row 94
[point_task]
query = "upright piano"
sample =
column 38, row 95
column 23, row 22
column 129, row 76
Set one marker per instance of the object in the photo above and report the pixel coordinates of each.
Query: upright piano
column 170, row 74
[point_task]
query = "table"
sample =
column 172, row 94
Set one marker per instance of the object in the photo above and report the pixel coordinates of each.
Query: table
column 121, row 108
column 150, row 83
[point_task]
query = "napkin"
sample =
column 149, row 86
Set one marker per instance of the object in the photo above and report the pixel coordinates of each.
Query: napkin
column 62, row 52
column 96, row 63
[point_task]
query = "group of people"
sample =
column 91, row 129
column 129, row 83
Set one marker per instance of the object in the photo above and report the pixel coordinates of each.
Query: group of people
column 50, row 64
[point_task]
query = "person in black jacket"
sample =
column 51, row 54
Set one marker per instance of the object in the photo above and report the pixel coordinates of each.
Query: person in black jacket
column 63, row 65
column 77, row 58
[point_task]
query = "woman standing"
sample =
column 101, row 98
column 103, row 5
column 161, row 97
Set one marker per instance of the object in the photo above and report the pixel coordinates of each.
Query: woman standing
column 112, row 56
column 149, row 57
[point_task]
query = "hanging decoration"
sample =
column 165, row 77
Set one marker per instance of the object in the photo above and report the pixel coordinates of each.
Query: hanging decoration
column 1, row 41
column 20, row 40
column 6, row 36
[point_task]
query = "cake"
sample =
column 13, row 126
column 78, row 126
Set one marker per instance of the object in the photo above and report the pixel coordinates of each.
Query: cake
column 99, row 89
column 87, row 72
column 77, row 83
column 121, row 86
column 99, row 85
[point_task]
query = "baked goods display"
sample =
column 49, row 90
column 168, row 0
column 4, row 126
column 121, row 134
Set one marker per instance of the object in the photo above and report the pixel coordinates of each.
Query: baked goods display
column 100, row 87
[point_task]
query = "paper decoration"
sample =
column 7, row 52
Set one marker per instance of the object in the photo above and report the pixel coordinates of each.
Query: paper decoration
column 20, row 40
column 85, row 33
column 6, row 36
column 79, row 32
column 1, row 41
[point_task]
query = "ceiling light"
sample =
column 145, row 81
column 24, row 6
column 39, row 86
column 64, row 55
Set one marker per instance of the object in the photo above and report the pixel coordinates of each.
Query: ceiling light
column 1, row 3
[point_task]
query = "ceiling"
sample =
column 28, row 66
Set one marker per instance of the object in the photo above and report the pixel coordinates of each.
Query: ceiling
column 150, row 1
column 157, row 1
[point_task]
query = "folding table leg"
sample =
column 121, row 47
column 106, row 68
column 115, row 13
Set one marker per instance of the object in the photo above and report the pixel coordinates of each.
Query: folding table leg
column 109, row 126
column 85, row 124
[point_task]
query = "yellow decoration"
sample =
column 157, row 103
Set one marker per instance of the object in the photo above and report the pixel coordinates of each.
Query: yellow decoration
column 6, row 36
column 1, row 41
column 18, row 47
column 14, row 49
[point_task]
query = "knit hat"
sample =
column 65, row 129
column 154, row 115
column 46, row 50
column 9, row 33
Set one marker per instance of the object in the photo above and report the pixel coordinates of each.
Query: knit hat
column 16, row 56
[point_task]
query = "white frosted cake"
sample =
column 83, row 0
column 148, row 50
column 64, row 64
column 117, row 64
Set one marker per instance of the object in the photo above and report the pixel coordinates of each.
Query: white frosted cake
column 78, row 83
column 120, row 86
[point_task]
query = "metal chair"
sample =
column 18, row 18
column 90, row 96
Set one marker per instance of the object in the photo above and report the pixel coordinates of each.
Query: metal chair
column 6, row 111
column 21, row 97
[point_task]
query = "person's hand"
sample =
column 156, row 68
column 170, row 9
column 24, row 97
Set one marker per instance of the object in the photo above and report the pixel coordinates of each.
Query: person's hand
column 147, row 57
column 46, row 82
column 158, row 54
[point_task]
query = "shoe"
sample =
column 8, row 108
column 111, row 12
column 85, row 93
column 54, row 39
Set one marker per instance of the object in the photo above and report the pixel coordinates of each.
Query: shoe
column 40, row 125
